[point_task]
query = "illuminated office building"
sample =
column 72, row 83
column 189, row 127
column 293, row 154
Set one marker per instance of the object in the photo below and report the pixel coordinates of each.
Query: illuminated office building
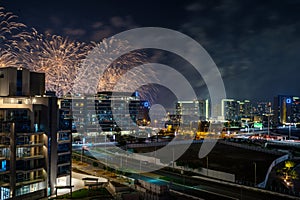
column 192, row 110
column 286, row 110
column 106, row 112
column 229, row 109
column 234, row 110
column 244, row 109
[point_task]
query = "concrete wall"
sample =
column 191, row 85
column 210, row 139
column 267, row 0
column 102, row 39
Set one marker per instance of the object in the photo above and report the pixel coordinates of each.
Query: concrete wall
column 8, row 81
column 216, row 174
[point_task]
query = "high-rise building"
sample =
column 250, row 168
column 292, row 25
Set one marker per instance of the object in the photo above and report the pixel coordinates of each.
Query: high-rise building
column 192, row 110
column 244, row 109
column 234, row 110
column 286, row 109
column 262, row 111
column 107, row 112
column 229, row 109
column 29, row 136
column 262, row 108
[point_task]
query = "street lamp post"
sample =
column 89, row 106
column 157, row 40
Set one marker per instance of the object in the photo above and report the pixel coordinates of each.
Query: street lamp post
column 207, row 165
column 173, row 158
column 268, row 115
column 140, row 169
column 289, row 131
column 155, row 122
column 289, row 127
column 82, row 149
column 254, row 174
column 247, row 127
column 268, row 124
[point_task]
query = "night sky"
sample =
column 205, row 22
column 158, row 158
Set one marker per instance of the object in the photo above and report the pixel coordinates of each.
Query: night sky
column 255, row 44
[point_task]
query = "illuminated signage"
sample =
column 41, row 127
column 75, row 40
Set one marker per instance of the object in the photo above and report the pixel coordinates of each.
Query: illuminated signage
column 288, row 100
column 146, row 104
column 258, row 125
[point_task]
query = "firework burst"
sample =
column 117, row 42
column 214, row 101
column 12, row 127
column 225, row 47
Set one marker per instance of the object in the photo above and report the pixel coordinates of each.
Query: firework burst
column 11, row 33
column 7, row 58
column 101, row 57
column 60, row 59
column 9, row 28
column 55, row 56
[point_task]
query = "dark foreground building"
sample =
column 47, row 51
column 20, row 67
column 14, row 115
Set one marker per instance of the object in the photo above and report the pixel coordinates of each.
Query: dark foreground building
column 34, row 152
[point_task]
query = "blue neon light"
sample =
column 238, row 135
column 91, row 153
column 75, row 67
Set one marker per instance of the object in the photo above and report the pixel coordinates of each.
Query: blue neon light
column 288, row 100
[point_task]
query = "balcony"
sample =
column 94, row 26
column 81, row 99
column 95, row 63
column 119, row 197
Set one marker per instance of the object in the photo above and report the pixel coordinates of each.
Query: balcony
column 63, row 171
column 5, row 170
column 64, row 137
column 64, row 159
column 5, row 127
column 29, row 181
column 30, row 143
column 64, row 164
column 31, row 133
column 63, row 153
column 4, row 157
column 4, row 145
column 64, row 148
column 29, row 157
column 4, row 181
column 29, row 169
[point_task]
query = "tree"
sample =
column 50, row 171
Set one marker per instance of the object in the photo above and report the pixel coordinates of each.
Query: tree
column 287, row 172
column 289, row 164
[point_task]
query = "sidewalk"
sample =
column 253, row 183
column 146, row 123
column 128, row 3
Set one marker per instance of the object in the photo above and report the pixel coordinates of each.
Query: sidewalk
column 89, row 172
column 98, row 172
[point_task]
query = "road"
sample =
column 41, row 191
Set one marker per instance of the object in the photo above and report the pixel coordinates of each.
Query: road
column 228, row 191
column 200, row 187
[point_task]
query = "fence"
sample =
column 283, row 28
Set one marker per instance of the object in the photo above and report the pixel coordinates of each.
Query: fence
column 273, row 164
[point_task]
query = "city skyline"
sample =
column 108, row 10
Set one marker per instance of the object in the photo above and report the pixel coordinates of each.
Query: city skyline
column 149, row 100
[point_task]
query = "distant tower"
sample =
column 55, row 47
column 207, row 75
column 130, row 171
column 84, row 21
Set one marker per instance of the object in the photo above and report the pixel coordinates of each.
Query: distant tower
column 286, row 109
